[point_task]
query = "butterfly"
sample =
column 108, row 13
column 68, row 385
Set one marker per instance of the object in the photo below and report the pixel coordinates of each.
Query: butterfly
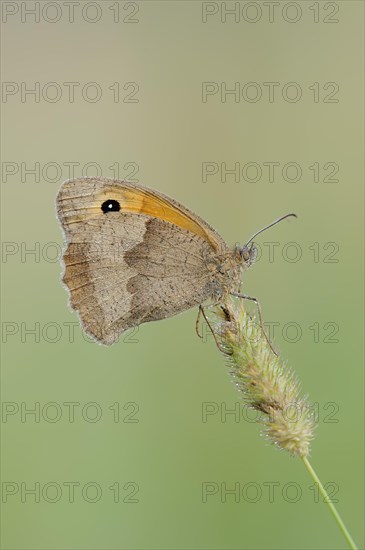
column 134, row 255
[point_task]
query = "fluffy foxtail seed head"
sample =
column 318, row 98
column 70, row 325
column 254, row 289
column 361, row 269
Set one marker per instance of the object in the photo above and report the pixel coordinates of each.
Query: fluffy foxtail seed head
column 266, row 382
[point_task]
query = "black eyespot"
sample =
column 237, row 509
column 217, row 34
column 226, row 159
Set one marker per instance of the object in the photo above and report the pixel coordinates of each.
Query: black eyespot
column 110, row 206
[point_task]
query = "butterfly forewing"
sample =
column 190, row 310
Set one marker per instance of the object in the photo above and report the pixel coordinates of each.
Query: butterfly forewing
column 133, row 255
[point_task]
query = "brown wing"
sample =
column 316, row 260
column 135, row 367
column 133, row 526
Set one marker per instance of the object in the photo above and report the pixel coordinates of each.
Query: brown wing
column 143, row 262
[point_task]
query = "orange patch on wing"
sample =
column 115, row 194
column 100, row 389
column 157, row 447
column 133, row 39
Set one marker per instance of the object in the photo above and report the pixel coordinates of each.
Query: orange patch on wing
column 142, row 202
column 132, row 200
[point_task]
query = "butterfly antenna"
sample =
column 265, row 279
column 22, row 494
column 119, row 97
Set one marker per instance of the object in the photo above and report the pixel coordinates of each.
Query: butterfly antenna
column 270, row 225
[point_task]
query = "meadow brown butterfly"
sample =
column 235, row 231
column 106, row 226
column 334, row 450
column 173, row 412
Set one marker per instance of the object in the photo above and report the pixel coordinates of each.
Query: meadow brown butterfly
column 134, row 255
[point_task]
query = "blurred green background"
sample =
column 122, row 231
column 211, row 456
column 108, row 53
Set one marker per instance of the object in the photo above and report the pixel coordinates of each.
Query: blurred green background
column 137, row 423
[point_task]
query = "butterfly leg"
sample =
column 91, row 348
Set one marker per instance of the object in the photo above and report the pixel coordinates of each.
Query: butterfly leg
column 202, row 312
column 198, row 321
column 255, row 300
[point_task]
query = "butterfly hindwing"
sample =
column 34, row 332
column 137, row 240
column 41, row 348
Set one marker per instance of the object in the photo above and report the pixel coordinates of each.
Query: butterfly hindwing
column 130, row 265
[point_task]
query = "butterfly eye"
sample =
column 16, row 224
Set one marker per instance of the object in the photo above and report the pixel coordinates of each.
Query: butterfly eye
column 110, row 206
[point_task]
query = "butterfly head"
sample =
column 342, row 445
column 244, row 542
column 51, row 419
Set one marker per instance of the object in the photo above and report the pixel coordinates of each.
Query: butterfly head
column 248, row 252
